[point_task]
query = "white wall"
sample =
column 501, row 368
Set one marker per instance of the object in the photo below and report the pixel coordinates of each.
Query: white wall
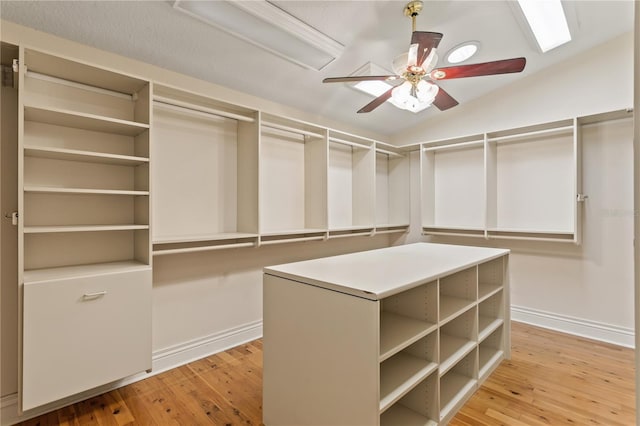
column 584, row 289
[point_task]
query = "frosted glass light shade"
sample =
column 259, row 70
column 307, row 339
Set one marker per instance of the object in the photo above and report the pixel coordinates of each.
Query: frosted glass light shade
column 402, row 98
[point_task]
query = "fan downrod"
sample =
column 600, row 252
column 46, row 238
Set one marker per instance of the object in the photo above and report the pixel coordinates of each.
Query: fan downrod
column 413, row 9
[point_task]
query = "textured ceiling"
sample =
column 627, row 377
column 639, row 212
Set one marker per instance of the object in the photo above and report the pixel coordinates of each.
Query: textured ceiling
column 376, row 31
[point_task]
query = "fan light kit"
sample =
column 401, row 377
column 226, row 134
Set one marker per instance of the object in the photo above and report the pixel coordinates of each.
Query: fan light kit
column 417, row 71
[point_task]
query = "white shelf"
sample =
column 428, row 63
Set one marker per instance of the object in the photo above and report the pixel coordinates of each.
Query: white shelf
column 452, row 350
column 400, row 415
column 86, row 156
column 81, row 228
column 488, row 358
column 201, row 238
column 52, row 190
column 486, row 290
column 487, row 325
column 397, row 332
column 50, row 274
column 399, row 374
column 286, row 232
column 453, row 390
column 78, row 120
column 451, row 307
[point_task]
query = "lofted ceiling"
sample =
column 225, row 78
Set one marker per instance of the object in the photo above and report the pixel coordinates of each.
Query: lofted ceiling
column 372, row 31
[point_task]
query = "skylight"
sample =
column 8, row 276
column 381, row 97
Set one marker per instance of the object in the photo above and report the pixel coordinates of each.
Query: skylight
column 548, row 22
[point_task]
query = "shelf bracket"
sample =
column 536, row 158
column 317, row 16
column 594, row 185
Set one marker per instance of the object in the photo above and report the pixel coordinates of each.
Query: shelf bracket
column 13, row 216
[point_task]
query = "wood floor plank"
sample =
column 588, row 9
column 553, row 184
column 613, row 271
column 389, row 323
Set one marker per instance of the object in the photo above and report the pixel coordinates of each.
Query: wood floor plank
column 551, row 379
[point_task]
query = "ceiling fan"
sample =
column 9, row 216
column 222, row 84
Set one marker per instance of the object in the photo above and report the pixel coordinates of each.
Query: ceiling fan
column 418, row 89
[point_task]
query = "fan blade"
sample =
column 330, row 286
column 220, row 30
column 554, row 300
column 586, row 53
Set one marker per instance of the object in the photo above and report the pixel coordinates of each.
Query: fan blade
column 443, row 100
column 376, row 102
column 360, row 78
column 505, row 66
column 426, row 41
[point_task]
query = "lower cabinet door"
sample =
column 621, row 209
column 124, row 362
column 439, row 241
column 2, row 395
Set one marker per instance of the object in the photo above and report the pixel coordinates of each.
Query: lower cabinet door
column 79, row 333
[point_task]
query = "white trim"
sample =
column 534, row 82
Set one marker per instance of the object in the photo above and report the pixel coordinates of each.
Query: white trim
column 163, row 360
column 609, row 333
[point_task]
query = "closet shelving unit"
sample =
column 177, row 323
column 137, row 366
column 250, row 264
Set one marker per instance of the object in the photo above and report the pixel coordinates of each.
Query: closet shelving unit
column 351, row 191
column 293, row 180
column 84, row 257
column 483, row 185
column 422, row 334
column 452, row 186
column 210, row 199
column 393, row 203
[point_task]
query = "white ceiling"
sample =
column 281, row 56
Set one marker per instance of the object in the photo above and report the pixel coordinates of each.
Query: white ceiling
column 376, row 31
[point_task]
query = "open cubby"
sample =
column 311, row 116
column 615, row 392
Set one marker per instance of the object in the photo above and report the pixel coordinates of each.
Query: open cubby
column 419, row 407
column 42, row 250
column 351, row 173
column 457, row 293
column 490, row 278
column 405, row 317
column 457, row 338
column 404, row 370
column 491, row 314
column 456, row 385
column 293, row 177
column 490, row 352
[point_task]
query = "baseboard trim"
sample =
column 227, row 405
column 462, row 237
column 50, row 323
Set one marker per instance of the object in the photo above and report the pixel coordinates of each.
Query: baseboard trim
column 577, row 326
column 162, row 360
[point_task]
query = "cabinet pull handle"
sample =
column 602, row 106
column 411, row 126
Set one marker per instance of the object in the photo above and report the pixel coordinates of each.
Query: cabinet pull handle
column 94, row 295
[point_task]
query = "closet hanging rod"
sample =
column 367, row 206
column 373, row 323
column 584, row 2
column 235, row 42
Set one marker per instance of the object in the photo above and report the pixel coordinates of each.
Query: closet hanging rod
column 197, row 109
column 563, row 129
column 202, row 248
column 291, row 240
column 391, row 153
column 345, row 142
column 453, row 146
column 290, row 129
column 76, row 85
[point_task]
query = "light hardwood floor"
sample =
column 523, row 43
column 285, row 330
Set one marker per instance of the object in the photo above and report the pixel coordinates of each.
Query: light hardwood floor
column 551, row 379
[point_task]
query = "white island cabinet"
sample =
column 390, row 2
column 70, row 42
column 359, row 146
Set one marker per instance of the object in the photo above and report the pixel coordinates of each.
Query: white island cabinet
column 396, row 336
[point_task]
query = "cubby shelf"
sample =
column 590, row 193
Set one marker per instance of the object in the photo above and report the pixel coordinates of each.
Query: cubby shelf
column 452, row 350
column 86, row 156
column 452, row 307
column 78, row 120
column 385, row 306
column 486, row 290
column 487, row 325
column 399, row 374
column 400, row 415
column 399, row 331
column 454, row 391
